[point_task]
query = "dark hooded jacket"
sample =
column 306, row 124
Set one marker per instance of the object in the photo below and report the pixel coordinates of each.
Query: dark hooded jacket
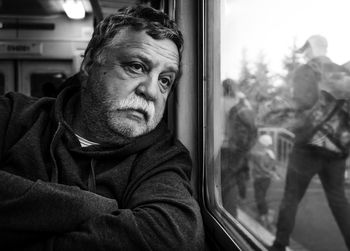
column 56, row 195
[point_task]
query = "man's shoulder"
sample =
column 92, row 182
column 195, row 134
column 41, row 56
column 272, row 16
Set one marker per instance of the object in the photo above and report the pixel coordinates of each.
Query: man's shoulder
column 21, row 99
column 17, row 96
column 19, row 113
column 307, row 68
column 325, row 65
column 174, row 148
column 167, row 152
column 24, row 108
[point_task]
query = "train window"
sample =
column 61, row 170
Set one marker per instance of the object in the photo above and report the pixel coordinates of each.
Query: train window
column 2, row 83
column 6, row 76
column 46, row 84
column 277, row 121
column 43, row 77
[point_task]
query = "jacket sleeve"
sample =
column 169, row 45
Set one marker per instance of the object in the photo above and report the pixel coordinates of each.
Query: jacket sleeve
column 161, row 214
column 29, row 209
column 305, row 87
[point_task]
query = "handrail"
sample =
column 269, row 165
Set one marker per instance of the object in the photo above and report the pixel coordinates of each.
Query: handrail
column 96, row 9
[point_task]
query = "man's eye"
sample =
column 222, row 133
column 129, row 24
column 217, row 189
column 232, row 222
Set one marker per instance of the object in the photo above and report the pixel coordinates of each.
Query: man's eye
column 166, row 82
column 136, row 67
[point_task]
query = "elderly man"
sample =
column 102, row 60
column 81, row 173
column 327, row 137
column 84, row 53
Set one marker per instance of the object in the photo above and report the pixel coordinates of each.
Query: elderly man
column 96, row 169
column 322, row 142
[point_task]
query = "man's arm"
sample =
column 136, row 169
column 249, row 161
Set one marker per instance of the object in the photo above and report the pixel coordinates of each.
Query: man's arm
column 28, row 207
column 160, row 214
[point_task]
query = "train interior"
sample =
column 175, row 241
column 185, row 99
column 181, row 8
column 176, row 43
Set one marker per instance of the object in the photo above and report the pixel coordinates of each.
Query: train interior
column 42, row 44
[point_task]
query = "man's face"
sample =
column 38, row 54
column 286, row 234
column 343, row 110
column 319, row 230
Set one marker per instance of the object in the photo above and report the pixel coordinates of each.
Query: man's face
column 131, row 84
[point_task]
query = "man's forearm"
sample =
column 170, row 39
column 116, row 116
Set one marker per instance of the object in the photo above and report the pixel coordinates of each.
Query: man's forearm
column 27, row 206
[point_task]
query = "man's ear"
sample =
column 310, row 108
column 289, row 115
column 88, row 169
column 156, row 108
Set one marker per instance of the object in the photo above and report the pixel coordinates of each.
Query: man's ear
column 85, row 69
column 85, row 66
column 83, row 77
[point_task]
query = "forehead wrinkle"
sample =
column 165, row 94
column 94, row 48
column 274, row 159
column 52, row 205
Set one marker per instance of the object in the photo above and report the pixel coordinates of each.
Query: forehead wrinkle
column 129, row 38
column 144, row 49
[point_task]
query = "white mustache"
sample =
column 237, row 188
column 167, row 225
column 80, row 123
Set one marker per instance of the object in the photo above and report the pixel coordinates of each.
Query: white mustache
column 137, row 103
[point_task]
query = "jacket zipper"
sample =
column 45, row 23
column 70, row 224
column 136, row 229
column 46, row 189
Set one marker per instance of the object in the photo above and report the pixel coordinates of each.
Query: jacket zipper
column 54, row 170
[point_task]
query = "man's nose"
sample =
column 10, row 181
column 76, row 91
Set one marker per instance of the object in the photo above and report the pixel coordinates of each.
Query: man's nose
column 148, row 87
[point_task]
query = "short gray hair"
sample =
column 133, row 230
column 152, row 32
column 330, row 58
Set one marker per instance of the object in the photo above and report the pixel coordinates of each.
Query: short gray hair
column 156, row 24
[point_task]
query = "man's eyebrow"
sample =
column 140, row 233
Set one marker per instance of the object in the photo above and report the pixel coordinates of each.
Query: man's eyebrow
column 171, row 67
column 143, row 58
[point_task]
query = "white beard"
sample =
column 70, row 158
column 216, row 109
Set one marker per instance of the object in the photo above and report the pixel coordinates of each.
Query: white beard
column 128, row 128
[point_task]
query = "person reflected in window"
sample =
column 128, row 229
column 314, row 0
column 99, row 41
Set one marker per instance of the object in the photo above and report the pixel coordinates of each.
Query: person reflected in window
column 97, row 168
column 262, row 163
column 240, row 134
column 321, row 91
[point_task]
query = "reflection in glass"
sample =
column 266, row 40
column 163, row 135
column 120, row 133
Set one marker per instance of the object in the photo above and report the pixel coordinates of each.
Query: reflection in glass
column 239, row 136
column 285, row 82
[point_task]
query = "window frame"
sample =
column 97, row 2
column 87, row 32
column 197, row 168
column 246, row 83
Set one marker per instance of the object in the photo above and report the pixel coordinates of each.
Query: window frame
column 221, row 226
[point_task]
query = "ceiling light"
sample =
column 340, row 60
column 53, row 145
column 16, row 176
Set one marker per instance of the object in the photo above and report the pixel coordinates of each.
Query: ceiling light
column 74, row 9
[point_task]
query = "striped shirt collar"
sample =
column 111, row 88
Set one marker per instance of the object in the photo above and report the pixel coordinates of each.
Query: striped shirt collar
column 84, row 142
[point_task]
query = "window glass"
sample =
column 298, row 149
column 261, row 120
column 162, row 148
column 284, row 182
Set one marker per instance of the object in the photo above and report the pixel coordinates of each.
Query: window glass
column 2, row 84
column 281, row 124
column 46, row 84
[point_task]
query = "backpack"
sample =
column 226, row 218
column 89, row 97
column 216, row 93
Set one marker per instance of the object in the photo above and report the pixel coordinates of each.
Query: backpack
column 328, row 121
